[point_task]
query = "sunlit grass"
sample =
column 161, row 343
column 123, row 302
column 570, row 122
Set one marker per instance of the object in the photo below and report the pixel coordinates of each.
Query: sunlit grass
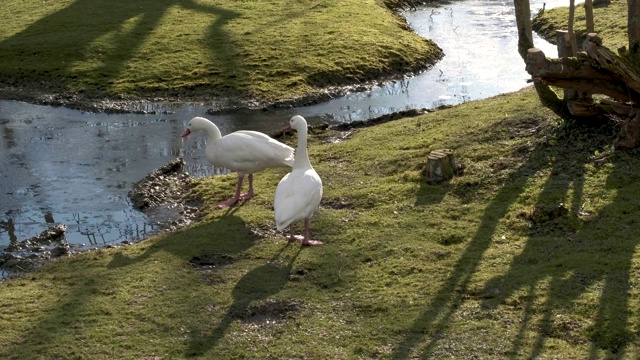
column 409, row 269
column 259, row 50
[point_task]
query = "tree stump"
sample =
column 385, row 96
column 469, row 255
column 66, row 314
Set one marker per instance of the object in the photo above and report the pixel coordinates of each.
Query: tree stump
column 441, row 165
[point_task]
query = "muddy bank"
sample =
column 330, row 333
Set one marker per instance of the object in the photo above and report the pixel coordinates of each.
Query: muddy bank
column 28, row 254
column 163, row 195
column 49, row 95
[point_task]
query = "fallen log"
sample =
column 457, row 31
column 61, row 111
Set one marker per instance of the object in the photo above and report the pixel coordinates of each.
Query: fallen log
column 579, row 74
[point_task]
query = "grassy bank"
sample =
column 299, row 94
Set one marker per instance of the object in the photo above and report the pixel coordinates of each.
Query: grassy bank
column 610, row 22
column 258, row 50
column 410, row 269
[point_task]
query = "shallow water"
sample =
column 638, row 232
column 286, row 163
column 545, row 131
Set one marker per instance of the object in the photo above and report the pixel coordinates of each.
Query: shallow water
column 72, row 167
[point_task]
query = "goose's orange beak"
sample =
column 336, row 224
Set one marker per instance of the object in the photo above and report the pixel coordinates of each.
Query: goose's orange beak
column 186, row 133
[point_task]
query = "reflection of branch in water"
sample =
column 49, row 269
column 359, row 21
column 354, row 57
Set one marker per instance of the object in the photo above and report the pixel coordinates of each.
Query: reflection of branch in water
column 129, row 230
column 10, row 227
column 48, row 218
column 90, row 235
column 135, row 231
column 99, row 231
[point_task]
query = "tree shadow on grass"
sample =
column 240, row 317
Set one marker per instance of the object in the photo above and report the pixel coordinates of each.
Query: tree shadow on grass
column 64, row 39
column 572, row 263
column 570, row 154
column 88, row 286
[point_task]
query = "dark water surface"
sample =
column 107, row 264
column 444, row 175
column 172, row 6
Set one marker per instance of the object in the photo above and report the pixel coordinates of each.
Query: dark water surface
column 62, row 166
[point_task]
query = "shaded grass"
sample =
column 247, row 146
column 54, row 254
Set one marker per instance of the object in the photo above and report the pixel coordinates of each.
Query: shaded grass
column 260, row 50
column 410, row 269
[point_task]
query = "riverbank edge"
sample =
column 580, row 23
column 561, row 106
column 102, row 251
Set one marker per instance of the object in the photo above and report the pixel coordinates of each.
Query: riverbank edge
column 43, row 93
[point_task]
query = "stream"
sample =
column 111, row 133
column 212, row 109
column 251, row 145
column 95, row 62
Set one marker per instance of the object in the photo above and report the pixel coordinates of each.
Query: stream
column 63, row 166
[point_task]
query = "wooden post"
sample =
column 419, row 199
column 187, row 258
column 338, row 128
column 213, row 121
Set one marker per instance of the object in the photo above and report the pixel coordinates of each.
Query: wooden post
column 572, row 36
column 523, row 22
column 633, row 29
column 564, row 50
column 579, row 104
column 441, row 165
column 588, row 12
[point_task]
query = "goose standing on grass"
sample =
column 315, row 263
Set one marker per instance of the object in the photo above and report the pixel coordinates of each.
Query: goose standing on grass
column 243, row 151
column 299, row 192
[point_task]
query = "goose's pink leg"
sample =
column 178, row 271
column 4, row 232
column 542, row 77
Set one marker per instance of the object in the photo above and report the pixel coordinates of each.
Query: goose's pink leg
column 293, row 237
column 233, row 200
column 304, row 240
column 248, row 195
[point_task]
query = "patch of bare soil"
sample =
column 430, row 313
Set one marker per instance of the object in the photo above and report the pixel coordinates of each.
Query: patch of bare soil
column 164, row 196
column 267, row 312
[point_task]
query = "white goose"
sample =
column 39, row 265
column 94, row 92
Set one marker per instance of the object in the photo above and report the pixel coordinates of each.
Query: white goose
column 299, row 192
column 243, row 151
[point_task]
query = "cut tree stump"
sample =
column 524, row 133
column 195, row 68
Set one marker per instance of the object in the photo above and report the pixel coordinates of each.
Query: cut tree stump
column 441, row 165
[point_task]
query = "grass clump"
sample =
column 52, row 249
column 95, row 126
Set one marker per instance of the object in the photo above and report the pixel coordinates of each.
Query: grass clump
column 259, row 50
column 409, row 269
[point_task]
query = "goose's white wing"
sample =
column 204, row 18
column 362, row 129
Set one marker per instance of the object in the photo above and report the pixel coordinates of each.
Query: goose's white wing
column 250, row 151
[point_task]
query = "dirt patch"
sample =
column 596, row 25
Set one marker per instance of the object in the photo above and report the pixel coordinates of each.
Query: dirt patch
column 267, row 312
column 211, row 261
column 164, row 195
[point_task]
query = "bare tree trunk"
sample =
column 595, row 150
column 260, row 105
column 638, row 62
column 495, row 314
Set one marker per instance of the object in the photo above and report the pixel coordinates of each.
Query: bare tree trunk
column 633, row 27
column 572, row 36
column 588, row 11
column 525, row 42
column 523, row 21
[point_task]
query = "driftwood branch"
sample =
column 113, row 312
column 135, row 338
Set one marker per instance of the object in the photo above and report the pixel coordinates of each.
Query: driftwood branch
column 606, row 59
column 523, row 21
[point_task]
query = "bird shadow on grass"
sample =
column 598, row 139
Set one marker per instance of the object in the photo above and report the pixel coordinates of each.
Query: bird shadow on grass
column 229, row 233
column 251, row 303
column 547, row 257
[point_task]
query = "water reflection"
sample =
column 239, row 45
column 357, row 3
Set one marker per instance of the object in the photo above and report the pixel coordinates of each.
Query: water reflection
column 62, row 166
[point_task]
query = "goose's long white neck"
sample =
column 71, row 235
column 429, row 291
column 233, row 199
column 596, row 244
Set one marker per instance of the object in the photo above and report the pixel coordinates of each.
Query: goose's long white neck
column 213, row 133
column 301, row 160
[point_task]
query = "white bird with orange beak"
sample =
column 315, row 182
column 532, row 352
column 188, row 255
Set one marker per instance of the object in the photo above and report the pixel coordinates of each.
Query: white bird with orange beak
column 246, row 152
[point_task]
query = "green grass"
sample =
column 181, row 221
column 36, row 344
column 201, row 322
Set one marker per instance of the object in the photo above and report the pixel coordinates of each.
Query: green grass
column 409, row 269
column 610, row 22
column 216, row 49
